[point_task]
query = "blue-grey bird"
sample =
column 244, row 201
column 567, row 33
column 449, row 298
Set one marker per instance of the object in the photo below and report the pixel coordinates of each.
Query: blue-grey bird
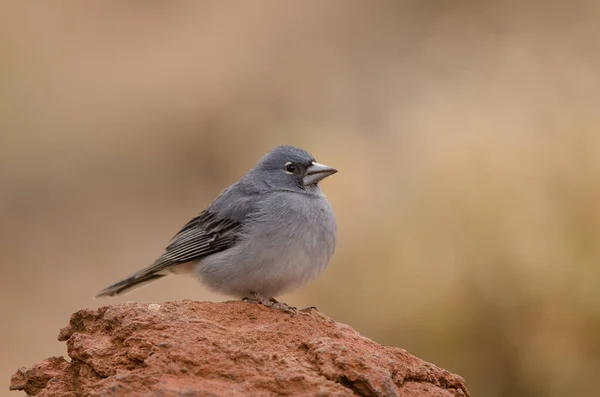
column 267, row 234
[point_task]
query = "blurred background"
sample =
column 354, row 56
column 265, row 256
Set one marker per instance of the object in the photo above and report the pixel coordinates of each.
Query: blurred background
column 465, row 132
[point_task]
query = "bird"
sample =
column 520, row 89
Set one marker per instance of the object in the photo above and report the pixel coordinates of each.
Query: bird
column 267, row 234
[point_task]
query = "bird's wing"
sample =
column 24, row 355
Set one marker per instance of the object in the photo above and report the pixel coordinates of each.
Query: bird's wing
column 204, row 235
column 214, row 230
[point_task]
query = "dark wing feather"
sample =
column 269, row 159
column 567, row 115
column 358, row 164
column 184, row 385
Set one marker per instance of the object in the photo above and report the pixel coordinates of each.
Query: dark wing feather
column 204, row 235
column 214, row 230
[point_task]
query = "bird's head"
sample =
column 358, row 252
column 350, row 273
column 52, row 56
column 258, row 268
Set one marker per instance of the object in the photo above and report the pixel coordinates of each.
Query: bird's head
column 290, row 168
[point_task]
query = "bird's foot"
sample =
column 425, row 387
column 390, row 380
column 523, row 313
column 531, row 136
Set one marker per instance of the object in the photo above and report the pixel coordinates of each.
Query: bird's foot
column 284, row 307
column 256, row 298
column 272, row 302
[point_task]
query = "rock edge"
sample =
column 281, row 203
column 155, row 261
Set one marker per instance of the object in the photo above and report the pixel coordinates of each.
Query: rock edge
column 235, row 348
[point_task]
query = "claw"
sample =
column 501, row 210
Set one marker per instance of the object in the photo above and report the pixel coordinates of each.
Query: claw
column 271, row 302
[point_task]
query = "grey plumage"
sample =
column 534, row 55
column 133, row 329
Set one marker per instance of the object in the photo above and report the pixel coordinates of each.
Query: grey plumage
column 267, row 234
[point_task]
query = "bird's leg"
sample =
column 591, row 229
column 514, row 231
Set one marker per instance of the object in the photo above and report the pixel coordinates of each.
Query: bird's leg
column 255, row 297
column 272, row 302
column 283, row 306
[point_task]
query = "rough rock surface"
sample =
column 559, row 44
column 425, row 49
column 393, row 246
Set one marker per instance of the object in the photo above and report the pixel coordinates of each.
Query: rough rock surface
column 225, row 349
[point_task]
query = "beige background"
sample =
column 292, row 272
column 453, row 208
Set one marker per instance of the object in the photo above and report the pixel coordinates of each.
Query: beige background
column 465, row 132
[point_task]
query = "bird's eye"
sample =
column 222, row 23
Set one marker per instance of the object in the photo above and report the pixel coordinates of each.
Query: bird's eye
column 290, row 168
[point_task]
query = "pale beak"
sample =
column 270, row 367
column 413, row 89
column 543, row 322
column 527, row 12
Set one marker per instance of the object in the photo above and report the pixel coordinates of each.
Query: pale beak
column 317, row 172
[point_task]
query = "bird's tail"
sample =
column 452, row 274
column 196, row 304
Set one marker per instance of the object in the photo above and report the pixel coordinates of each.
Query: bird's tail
column 134, row 281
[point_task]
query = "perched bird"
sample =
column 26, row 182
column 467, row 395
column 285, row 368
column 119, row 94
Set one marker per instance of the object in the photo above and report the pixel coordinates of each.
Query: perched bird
column 267, row 234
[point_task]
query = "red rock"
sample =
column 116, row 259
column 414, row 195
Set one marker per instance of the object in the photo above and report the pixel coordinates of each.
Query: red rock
column 226, row 349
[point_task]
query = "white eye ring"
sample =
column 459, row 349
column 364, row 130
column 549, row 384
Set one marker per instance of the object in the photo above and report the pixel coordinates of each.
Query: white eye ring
column 289, row 167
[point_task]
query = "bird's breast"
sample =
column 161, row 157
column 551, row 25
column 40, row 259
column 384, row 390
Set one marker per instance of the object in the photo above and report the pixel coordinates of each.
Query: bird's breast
column 288, row 241
column 294, row 237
